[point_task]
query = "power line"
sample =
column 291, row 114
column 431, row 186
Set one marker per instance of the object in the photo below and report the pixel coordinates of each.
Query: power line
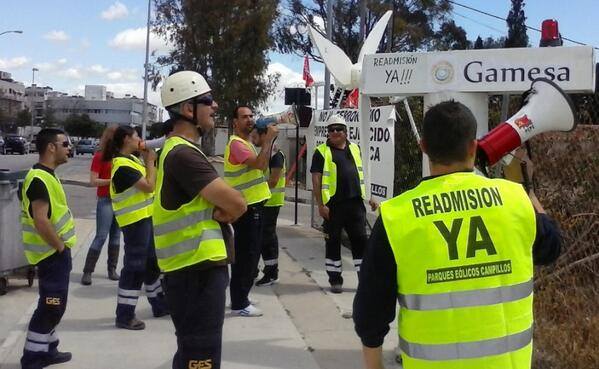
column 505, row 20
column 479, row 22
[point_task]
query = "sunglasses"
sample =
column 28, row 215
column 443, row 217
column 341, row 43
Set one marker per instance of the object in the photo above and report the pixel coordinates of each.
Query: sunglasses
column 205, row 100
column 63, row 143
column 336, row 129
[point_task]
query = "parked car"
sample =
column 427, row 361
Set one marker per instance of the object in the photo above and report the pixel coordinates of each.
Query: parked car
column 85, row 146
column 16, row 144
column 2, row 146
column 71, row 148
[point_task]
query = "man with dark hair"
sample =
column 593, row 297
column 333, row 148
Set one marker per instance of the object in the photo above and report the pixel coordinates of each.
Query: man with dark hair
column 192, row 207
column 275, row 177
column 48, row 235
column 457, row 251
column 244, row 171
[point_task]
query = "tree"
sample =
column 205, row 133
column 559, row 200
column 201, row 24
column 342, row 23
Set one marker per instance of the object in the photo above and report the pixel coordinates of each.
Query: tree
column 23, row 118
column 413, row 25
column 478, row 44
column 49, row 119
column 516, row 23
column 82, row 125
column 225, row 41
column 450, row 36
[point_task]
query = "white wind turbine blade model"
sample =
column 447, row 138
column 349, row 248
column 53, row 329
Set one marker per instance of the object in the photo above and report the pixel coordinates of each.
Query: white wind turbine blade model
column 374, row 37
column 338, row 63
column 334, row 58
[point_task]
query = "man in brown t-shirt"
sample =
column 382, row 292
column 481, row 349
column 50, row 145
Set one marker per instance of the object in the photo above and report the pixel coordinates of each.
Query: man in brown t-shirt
column 195, row 293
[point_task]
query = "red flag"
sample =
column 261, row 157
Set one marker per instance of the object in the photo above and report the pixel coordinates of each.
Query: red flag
column 306, row 75
column 352, row 99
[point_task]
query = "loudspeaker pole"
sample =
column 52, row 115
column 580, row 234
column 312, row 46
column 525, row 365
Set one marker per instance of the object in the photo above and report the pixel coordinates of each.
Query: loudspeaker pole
column 297, row 133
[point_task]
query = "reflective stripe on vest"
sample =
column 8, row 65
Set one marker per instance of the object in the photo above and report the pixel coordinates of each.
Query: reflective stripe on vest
column 36, row 249
column 132, row 204
column 329, row 172
column 277, row 197
column 463, row 247
column 188, row 235
column 250, row 182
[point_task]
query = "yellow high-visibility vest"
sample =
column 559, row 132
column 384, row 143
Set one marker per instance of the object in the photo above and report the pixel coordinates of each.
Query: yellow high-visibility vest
column 278, row 192
column 329, row 171
column 187, row 235
column 463, row 248
column 131, row 205
column 249, row 181
column 36, row 249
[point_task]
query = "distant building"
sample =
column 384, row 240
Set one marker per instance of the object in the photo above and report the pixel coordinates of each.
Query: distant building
column 36, row 101
column 95, row 92
column 12, row 95
column 102, row 107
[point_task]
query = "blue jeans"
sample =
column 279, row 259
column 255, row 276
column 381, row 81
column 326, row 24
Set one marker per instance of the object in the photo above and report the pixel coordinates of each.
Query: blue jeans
column 105, row 225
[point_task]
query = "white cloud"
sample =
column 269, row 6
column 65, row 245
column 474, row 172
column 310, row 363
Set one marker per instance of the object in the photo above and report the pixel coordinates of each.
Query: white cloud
column 62, row 61
column 135, row 39
column 125, row 74
column 13, row 63
column 288, row 78
column 57, row 36
column 71, row 73
column 115, row 11
column 85, row 44
column 97, row 68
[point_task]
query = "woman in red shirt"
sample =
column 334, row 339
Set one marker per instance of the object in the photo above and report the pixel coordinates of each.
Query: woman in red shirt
column 106, row 226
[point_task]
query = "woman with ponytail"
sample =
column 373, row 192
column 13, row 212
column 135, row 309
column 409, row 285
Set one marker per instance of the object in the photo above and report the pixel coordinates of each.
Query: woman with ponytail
column 131, row 191
column 106, row 226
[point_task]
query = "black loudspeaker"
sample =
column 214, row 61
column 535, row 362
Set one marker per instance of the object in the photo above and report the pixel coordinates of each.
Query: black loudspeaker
column 297, row 96
column 304, row 113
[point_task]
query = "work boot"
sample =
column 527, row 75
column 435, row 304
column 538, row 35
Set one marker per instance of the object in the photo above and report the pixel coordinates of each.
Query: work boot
column 57, row 358
column 90, row 265
column 113, row 259
column 134, row 325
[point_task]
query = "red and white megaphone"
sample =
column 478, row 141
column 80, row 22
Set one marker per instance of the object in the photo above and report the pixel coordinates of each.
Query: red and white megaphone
column 546, row 108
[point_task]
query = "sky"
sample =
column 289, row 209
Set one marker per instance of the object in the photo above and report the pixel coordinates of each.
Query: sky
column 79, row 42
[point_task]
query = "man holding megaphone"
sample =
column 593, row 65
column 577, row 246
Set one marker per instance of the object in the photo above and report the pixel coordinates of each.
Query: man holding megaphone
column 457, row 252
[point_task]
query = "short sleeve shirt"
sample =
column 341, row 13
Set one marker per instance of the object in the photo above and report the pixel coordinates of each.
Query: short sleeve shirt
column 125, row 177
column 186, row 173
column 102, row 168
column 37, row 190
column 239, row 152
column 348, row 180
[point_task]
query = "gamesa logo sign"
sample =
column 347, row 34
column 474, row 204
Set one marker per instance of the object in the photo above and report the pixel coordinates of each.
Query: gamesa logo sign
column 476, row 72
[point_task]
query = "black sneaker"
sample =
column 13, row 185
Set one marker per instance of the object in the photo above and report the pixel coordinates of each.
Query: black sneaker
column 134, row 325
column 336, row 288
column 57, row 358
column 267, row 280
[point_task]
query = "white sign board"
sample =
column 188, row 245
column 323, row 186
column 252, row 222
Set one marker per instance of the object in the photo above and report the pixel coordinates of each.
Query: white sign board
column 492, row 70
column 382, row 144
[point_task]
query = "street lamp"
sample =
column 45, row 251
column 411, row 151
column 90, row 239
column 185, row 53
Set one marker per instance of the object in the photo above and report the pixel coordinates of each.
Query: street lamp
column 144, row 116
column 18, row 31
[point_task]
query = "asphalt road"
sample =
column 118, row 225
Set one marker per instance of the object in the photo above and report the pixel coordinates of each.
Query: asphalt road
column 82, row 200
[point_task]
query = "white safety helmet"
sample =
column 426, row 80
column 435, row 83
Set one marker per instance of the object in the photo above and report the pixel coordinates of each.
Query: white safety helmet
column 336, row 119
column 182, row 86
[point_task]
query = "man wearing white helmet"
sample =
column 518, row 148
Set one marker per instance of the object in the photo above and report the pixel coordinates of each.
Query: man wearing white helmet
column 192, row 209
column 338, row 183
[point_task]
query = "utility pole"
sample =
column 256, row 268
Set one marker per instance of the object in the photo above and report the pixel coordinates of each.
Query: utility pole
column 362, row 22
column 327, row 74
column 33, row 70
column 144, row 114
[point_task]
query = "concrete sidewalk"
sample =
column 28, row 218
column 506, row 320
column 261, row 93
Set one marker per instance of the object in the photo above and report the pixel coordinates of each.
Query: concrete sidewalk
column 304, row 326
